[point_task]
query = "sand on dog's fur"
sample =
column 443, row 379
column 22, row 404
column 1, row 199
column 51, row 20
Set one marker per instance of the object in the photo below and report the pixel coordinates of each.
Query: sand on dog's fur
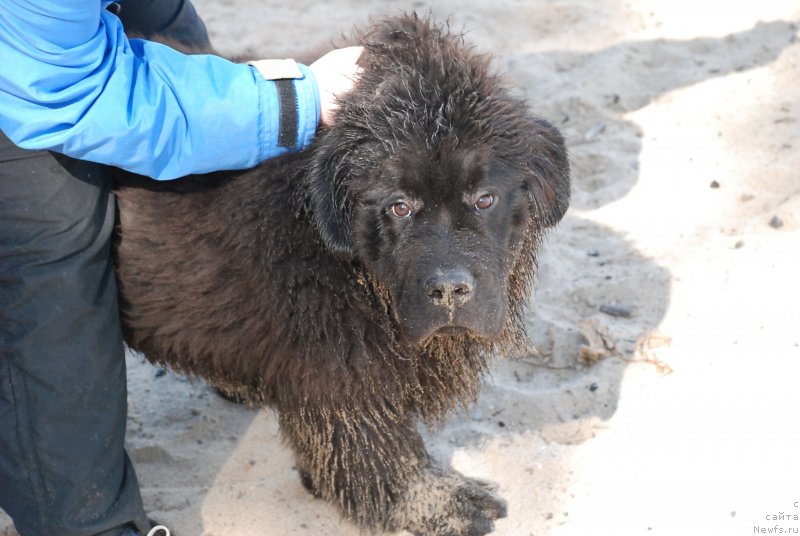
column 680, row 418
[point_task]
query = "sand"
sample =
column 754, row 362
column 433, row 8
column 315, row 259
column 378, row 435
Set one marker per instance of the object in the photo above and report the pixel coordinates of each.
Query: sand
column 680, row 418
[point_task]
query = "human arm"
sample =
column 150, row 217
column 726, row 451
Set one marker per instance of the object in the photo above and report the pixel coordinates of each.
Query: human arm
column 73, row 83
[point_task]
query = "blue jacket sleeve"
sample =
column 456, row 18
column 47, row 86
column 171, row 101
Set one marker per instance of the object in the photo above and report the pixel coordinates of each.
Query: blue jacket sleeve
column 72, row 82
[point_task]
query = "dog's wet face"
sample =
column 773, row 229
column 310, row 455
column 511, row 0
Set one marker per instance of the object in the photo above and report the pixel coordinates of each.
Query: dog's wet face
column 441, row 230
column 439, row 182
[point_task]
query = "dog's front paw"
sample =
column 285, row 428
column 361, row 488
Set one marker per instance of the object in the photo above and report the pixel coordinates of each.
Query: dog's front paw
column 445, row 503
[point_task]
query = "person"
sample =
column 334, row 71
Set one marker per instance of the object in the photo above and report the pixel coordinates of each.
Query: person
column 76, row 95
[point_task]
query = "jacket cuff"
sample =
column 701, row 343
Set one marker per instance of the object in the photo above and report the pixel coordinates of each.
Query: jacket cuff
column 289, row 112
column 308, row 99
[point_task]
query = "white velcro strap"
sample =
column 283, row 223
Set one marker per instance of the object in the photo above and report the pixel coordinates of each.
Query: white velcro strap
column 277, row 69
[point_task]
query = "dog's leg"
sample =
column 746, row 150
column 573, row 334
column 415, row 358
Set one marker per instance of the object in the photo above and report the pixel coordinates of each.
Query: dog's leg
column 373, row 465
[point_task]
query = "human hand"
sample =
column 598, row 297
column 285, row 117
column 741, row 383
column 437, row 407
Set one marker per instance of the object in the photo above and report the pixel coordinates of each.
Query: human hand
column 336, row 73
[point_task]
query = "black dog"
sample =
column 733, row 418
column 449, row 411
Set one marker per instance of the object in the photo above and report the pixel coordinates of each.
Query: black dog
column 364, row 283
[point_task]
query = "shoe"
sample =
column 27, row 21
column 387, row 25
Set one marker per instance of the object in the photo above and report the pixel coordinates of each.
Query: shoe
column 156, row 530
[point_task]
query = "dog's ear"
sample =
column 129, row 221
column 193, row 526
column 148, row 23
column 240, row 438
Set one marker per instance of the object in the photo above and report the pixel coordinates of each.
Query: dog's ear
column 327, row 180
column 548, row 185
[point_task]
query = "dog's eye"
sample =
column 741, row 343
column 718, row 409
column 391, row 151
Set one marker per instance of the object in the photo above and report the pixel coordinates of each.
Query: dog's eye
column 485, row 201
column 401, row 209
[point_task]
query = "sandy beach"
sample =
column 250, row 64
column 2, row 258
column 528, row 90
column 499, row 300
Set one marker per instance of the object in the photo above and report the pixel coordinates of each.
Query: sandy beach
column 662, row 391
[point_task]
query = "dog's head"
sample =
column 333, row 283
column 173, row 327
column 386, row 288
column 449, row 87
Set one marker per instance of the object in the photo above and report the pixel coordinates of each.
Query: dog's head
column 438, row 181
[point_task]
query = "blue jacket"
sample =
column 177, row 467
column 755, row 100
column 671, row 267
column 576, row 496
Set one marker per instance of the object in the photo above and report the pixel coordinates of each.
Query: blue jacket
column 71, row 82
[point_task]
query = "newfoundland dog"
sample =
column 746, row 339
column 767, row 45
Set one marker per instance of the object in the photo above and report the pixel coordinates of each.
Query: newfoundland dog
column 363, row 284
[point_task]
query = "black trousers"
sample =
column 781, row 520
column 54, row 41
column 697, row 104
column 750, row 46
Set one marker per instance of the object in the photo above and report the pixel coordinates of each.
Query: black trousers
column 63, row 397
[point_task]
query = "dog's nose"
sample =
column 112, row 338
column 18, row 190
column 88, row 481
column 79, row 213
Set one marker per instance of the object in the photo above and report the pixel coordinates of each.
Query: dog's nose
column 450, row 287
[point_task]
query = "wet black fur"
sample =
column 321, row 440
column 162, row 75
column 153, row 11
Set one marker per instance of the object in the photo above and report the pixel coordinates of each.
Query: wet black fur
column 279, row 283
